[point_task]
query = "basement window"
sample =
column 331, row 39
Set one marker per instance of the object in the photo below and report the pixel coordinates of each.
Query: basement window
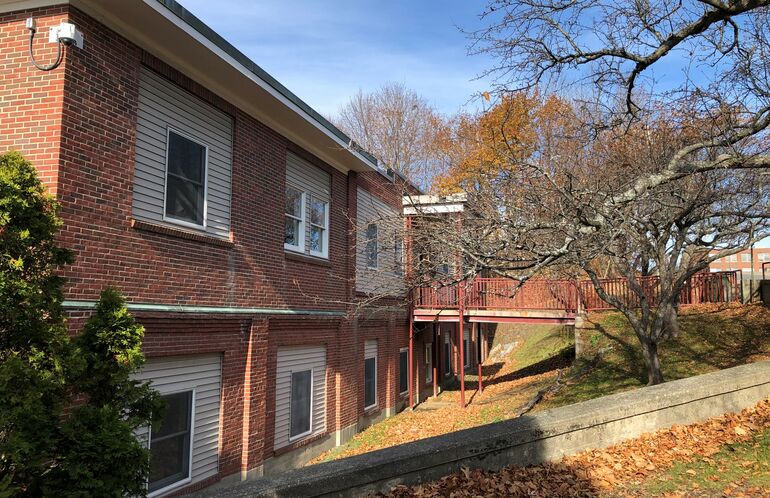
column 301, row 404
column 170, row 443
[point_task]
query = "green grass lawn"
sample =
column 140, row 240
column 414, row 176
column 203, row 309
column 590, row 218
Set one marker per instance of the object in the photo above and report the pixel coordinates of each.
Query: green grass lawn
column 745, row 465
column 710, row 339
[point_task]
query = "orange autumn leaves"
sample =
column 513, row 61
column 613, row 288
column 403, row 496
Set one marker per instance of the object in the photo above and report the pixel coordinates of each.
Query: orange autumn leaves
column 520, row 127
column 614, row 471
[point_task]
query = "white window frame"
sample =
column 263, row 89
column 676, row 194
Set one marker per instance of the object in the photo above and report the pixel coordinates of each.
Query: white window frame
column 376, row 246
column 373, row 405
column 733, row 258
column 745, row 258
column 312, row 389
column 325, row 238
column 404, row 350
column 429, row 362
column 187, row 479
column 171, row 219
column 300, row 248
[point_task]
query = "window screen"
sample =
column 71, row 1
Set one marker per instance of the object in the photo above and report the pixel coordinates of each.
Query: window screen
column 185, row 179
column 403, row 371
column 301, row 393
column 370, row 382
column 170, row 442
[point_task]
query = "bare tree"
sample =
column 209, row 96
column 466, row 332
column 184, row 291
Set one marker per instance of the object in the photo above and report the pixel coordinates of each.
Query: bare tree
column 398, row 127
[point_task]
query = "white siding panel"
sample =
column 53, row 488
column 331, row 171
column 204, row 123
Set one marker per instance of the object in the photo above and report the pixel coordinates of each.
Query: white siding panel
column 298, row 358
column 384, row 280
column 370, row 349
column 202, row 374
column 164, row 105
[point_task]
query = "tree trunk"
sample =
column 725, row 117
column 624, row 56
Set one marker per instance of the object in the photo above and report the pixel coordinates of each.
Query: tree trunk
column 651, row 360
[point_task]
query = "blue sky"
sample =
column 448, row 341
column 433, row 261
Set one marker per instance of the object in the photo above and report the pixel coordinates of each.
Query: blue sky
column 326, row 51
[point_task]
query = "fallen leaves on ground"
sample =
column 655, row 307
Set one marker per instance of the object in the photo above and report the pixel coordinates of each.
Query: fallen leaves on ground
column 609, row 471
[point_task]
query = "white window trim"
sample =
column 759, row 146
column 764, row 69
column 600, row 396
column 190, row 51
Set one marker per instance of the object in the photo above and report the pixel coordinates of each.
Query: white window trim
column 376, row 247
column 312, row 392
column 188, row 479
column 404, row 350
column 170, row 219
column 429, row 362
column 300, row 248
column 373, row 405
column 325, row 241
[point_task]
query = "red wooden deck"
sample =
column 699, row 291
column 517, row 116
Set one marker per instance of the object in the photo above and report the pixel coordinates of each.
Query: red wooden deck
column 556, row 301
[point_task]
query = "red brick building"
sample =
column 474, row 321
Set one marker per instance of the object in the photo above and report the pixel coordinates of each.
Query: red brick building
column 743, row 261
column 225, row 209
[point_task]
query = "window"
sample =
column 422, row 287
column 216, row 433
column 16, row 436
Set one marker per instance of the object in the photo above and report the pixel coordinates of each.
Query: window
column 732, row 258
column 370, row 382
column 301, row 398
column 185, row 180
column 746, row 258
column 447, row 355
column 398, row 256
column 294, row 234
column 466, row 352
column 403, row 371
column 170, row 443
column 763, row 256
column 371, row 246
column 429, row 363
column 319, row 221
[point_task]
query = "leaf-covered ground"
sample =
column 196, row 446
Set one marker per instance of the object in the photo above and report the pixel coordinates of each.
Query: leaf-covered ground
column 711, row 338
column 724, row 456
column 507, row 386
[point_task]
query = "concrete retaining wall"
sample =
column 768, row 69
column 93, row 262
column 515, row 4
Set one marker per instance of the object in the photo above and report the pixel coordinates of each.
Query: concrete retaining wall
column 531, row 439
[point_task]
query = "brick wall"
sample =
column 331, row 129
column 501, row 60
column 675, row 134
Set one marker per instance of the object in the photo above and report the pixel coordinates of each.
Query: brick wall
column 78, row 126
column 31, row 100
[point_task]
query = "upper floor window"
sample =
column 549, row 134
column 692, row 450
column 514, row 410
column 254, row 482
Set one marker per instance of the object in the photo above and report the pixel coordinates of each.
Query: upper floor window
column 308, row 196
column 763, row 256
column 185, row 179
column 319, row 222
column 183, row 159
column 398, row 255
column 294, row 233
column 746, row 258
column 371, row 246
column 732, row 258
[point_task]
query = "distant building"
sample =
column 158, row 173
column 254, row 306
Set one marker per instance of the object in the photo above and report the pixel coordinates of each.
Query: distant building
column 743, row 262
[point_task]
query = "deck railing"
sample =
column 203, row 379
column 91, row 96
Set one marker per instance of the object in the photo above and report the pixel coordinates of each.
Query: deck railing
column 568, row 295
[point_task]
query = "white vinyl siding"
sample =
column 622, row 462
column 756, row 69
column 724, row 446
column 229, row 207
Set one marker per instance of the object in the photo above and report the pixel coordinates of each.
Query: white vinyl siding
column 298, row 359
column 164, row 106
column 370, row 352
column 201, row 374
column 385, row 276
column 315, row 185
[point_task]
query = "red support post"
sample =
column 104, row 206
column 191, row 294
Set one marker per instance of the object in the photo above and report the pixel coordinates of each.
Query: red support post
column 434, row 361
column 411, row 355
column 478, row 355
column 461, row 359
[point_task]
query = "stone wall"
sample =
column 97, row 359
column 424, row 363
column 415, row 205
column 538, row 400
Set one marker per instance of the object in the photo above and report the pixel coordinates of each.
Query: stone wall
column 527, row 440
